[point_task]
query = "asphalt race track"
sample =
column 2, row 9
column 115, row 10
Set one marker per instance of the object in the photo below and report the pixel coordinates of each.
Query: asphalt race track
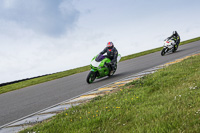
column 20, row 103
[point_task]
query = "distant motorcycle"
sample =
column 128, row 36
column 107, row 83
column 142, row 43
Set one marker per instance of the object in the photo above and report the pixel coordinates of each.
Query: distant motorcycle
column 100, row 67
column 169, row 46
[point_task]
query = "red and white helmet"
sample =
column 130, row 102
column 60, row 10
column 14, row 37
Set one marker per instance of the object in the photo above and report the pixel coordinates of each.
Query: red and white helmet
column 110, row 45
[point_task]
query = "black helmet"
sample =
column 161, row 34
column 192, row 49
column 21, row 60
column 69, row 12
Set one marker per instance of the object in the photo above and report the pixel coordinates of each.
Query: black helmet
column 175, row 33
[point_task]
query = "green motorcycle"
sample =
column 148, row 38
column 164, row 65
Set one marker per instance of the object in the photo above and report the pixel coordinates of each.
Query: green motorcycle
column 100, row 68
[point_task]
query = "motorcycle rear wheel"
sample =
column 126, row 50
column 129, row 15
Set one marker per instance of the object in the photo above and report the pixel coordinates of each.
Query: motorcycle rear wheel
column 91, row 77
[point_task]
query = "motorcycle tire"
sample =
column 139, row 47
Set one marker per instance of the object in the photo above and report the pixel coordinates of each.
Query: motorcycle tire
column 163, row 52
column 91, row 77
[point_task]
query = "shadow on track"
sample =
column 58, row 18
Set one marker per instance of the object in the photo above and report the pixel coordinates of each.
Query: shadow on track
column 181, row 50
column 107, row 78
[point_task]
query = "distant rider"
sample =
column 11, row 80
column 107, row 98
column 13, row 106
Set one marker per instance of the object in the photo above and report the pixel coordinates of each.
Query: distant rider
column 112, row 54
column 175, row 36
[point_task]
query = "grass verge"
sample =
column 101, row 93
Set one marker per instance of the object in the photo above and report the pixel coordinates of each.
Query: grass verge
column 43, row 79
column 166, row 101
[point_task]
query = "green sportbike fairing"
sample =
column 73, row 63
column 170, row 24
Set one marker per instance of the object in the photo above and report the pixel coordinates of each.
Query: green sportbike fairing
column 100, row 68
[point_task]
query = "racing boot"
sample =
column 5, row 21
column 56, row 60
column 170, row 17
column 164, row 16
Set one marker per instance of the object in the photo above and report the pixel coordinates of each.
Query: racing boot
column 113, row 67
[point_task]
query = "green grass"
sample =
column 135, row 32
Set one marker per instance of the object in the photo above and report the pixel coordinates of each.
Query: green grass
column 166, row 101
column 43, row 79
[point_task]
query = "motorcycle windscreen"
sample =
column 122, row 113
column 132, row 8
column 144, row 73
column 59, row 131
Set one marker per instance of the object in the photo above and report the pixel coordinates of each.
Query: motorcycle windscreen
column 99, row 58
column 95, row 64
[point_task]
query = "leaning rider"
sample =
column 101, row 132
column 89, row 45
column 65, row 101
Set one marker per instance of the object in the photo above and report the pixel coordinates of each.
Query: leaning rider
column 175, row 36
column 112, row 54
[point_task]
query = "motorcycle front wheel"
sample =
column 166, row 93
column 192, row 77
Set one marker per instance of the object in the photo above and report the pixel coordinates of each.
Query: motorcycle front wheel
column 163, row 51
column 91, row 77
